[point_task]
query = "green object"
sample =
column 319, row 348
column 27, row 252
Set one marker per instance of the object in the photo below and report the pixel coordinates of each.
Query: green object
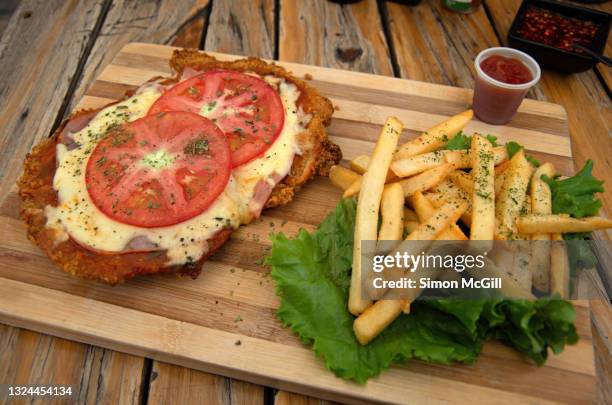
column 463, row 141
column 462, row 6
column 579, row 251
column 513, row 147
column 576, row 195
column 312, row 275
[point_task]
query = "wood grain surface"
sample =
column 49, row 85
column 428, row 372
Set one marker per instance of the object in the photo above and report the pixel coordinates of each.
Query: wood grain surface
column 95, row 375
column 36, row 77
column 197, row 327
column 128, row 21
column 187, row 25
column 444, row 43
column 180, row 385
column 322, row 33
column 243, row 28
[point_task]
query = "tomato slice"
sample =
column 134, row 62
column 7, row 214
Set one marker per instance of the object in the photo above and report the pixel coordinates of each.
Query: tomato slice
column 246, row 108
column 159, row 170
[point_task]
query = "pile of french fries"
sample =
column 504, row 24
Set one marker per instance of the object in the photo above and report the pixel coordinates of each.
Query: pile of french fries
column 421, row 189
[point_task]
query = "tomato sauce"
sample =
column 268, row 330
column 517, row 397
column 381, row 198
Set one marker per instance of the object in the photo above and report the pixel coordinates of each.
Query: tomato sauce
column 506, row 70
column 504, row 76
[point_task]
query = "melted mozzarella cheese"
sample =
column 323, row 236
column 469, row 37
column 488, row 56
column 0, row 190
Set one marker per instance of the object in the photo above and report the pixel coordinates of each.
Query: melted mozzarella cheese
column 77, row 216
column 277, row 160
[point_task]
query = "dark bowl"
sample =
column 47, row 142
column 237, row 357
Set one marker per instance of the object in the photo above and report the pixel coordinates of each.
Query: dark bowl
column 555, row 58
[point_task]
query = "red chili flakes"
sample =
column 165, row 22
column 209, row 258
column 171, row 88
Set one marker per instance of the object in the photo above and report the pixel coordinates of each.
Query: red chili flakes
column 554, row 29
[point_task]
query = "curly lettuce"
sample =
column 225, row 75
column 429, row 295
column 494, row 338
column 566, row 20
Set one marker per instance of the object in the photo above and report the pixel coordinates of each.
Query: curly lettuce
column 312, row 275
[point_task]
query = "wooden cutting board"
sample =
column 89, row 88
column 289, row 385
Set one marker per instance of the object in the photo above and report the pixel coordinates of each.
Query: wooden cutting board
column 224, row 322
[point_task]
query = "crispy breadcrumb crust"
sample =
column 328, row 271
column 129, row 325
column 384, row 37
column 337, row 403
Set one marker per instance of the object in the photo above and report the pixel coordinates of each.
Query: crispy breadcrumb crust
column 36, row 184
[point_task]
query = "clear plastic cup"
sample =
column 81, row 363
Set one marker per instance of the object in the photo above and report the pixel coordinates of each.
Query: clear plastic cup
column 496, row 102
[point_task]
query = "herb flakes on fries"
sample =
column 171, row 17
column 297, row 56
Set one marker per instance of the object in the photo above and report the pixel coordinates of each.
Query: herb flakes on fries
column 498, row 192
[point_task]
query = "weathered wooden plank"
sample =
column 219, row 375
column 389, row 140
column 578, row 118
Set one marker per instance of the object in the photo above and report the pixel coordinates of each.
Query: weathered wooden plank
column 180, row 385
column 435, row 45
column 95, row 375
column 259, row 361
column 191, row 34
column 322, row 33
column 147, row 21
column 7, row 7
column 242, row 27
column 588, row 106
column 39, row 53
column 290, row 398
column 601, row 317
column 604, row 71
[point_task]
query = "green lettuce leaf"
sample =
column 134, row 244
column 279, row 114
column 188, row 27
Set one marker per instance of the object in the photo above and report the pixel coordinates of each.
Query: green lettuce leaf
column 576, row 195
column 312, row 275
column 513, row 147
column 579, row 251
column 463, row 141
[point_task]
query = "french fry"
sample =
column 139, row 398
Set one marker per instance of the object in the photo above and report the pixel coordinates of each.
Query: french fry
column 410, row 215
column 453, row 233
column 410, row 226
column 448, row 191
column 342, row 177
column 502, row 167
column 559, row 267
column 438, row 225
column 359, row 164
column 541, row 199
column 541, row 204
column 560, row 223
column 425, row 209
column 483, row 196
column 375, row 319
column 438, row 200
column 392, row 213
column 412, row 165
column 526, row 207
column 435, row 137
column 426, row 180
column 510, row 288
column 441, row 219
column 462, row 180
column 511, row 196
column 462, row 159
column 522, row 268
column 366, row 219
column 499, row 182
column 355, row 187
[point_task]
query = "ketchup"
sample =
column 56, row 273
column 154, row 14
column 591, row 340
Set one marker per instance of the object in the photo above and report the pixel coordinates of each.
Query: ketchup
column 506, row 70
column 503, row 78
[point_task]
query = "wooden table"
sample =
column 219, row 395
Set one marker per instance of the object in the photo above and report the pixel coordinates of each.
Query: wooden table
column 50, row 50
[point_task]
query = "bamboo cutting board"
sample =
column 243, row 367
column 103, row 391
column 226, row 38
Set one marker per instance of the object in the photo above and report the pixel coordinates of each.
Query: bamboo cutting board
column 197, row 323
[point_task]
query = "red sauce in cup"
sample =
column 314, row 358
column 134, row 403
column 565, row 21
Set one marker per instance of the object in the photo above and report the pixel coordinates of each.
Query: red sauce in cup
column 506, row 70
column 503, row 77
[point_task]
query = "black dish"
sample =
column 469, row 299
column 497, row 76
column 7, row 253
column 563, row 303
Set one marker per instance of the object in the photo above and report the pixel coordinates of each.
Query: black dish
column 555, row 58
